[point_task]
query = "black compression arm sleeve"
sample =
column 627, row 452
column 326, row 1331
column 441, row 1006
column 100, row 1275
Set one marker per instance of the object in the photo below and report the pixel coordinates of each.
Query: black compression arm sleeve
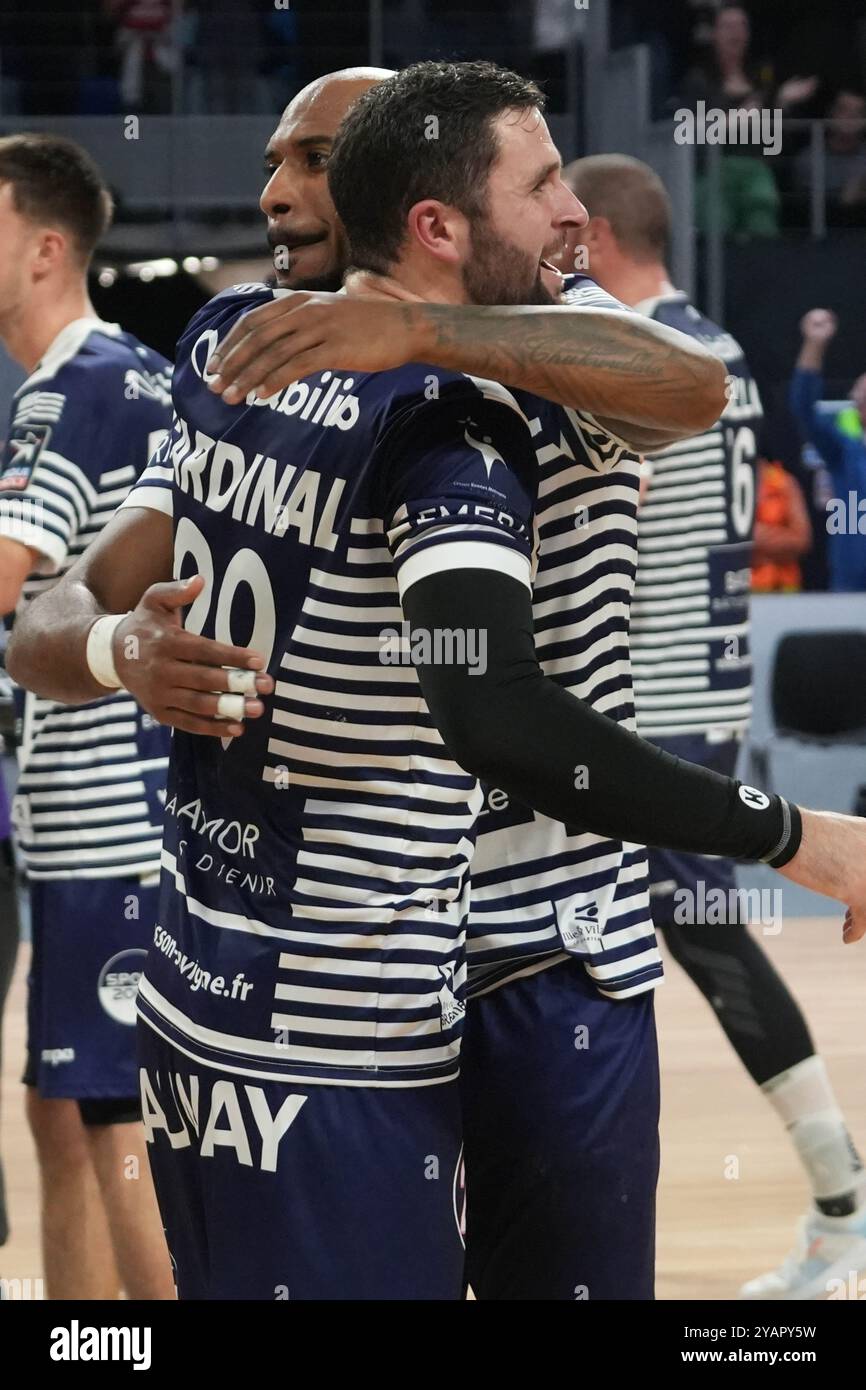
column 514, row 727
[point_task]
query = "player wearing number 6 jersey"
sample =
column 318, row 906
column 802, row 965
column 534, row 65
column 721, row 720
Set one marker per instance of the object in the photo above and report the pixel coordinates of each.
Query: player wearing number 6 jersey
column 692, row 674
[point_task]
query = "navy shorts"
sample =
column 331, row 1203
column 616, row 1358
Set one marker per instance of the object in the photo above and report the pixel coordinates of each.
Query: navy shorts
column 671, row 872
column 270, row 1190
column 90, row 939
column 560, row 1092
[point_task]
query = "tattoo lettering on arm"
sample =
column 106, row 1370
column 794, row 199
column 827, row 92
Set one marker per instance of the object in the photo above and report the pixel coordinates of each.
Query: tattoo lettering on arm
column 644, row 381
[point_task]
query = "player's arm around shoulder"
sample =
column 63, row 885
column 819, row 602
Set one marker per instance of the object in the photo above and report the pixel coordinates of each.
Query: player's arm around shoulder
column 648, row 384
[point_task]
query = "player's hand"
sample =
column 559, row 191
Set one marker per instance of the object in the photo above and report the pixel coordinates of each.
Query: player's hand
column 819, row 326
column 173, row 674
column 831, row 860
column 300, row 333
column 854, row 927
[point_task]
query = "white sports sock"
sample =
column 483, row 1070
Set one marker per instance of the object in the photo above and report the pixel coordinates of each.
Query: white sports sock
column 803, row 1099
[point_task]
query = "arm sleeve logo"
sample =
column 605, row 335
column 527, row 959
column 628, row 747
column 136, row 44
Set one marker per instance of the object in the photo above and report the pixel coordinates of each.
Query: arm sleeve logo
column 21, row 455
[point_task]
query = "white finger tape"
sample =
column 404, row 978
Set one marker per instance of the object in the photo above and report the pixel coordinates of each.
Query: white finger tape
column 230, row 707
column 241, row 682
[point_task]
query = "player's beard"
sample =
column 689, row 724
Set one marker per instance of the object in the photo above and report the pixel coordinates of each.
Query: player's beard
column 498, row 272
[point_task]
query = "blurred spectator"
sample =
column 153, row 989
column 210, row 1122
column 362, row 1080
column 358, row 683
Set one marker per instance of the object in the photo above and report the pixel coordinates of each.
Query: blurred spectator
column 843, row 451
column 728, row 75
column 783, row 531
column 748, row 200
column 845, row 151
column 143, row 38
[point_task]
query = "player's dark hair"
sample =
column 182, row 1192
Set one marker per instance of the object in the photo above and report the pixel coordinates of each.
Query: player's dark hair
column 55, row 182
column 630, row 195
column 427, row 132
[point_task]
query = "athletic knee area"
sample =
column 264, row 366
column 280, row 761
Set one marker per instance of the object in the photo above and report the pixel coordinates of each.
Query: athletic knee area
column 757, row 1011
column 57, row 1129
column 693, row 943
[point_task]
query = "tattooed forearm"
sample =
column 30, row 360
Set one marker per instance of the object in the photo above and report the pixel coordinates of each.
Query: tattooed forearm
column 622, row 368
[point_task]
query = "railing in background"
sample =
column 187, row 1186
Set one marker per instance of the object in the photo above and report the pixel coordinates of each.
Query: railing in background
column 806, row 203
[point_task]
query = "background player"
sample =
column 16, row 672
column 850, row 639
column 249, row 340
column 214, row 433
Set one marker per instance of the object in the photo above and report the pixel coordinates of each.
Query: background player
column 623, row 797
column 88, row 808
column 843, row 452
column 691, row 613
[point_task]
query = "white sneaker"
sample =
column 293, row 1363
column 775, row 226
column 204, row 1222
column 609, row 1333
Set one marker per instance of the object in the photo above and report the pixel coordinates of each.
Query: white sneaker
column 828, row 1259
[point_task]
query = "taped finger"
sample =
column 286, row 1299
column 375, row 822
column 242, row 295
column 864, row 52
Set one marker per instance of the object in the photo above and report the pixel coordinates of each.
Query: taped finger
column 241, row 682
column 230, row 707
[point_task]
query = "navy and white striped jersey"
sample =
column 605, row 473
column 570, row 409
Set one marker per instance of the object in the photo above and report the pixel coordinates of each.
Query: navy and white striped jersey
column 690, row 616
column 542, row 890
column 315, row 870
column 81, row 430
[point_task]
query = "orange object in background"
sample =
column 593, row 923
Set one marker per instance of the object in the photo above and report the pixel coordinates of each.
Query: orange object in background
column 783, row 531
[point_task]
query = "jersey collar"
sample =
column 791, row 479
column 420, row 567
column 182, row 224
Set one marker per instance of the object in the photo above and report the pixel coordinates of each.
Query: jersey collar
column 66, row 345
column 649, row 306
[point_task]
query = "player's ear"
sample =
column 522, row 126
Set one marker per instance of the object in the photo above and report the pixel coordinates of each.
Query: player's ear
column 50, row 250
column 598, row 234
column 442, row 231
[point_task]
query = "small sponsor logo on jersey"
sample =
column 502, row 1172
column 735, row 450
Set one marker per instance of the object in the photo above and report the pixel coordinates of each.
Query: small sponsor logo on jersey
column 451, row 1008
column 118, row 984
column 578, row 922
column 57, row 1056
column 489, row 453
column 23, row 448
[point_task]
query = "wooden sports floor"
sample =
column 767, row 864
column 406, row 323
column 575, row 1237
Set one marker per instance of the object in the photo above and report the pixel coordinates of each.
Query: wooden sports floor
column 731, row 1187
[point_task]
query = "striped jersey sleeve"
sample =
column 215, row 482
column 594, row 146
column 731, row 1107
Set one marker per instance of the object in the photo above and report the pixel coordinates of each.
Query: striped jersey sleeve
column 48, row 479
column 459, row 480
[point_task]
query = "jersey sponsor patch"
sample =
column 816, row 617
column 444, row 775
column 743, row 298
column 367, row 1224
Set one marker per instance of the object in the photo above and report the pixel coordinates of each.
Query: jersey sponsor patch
column 21, row 455
column 579, row 921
